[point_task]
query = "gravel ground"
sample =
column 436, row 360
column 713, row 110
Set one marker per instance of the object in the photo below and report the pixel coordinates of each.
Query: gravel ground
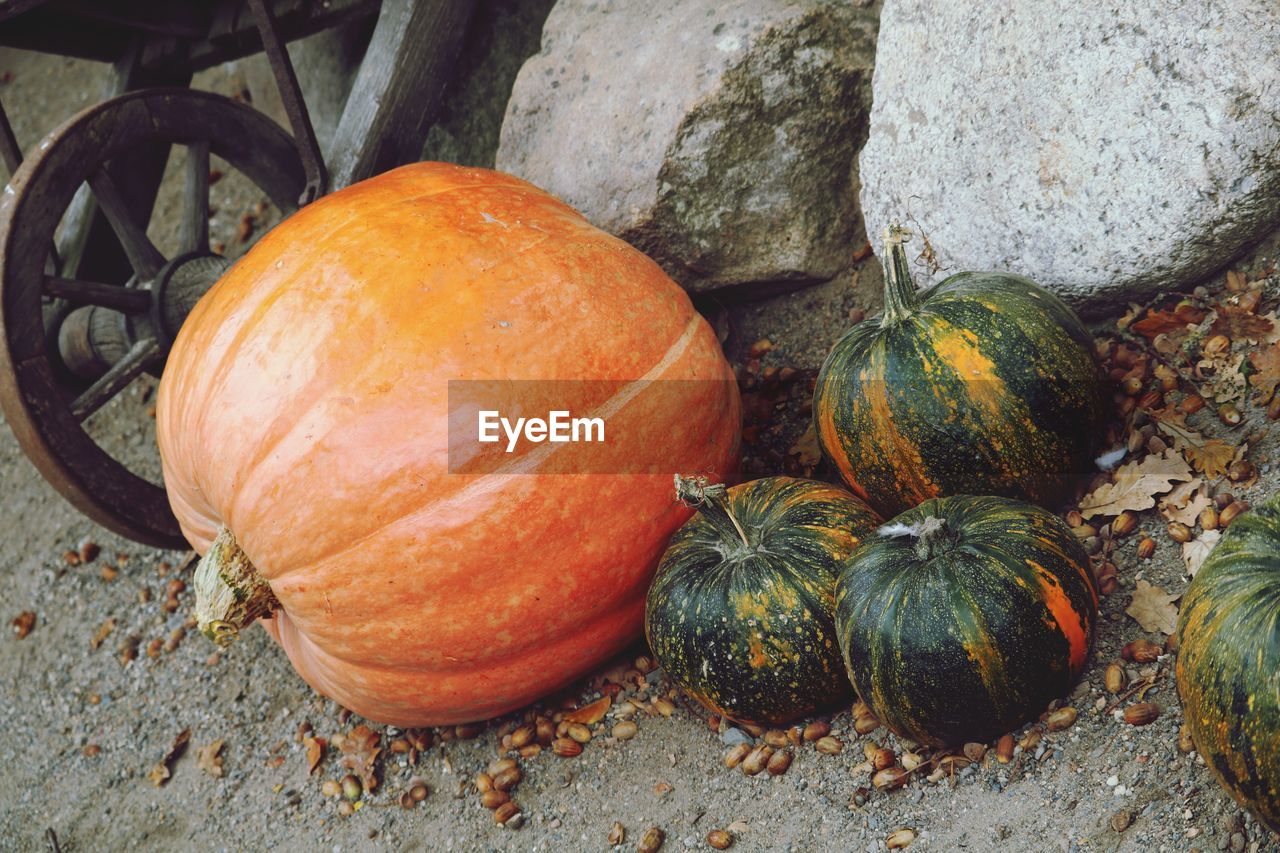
column 83, row 721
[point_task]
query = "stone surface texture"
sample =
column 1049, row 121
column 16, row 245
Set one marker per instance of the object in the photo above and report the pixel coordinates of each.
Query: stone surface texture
column 1107, row 151
column 721, row 138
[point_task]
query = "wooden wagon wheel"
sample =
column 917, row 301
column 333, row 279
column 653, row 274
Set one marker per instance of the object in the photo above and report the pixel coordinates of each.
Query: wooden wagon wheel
column 106, row 335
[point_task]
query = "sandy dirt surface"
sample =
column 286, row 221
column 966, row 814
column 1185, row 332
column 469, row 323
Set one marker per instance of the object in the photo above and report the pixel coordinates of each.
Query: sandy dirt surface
column 92, row 699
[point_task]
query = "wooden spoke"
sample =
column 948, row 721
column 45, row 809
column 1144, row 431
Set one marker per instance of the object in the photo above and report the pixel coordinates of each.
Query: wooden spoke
column 144, row 257
column 139, row 357
column 195, row 202
column 127, row 299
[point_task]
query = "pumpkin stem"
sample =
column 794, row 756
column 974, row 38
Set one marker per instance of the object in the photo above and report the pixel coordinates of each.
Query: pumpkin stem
column 712, row 500
column 230, row 594
column 933, row 536
column 900, row 297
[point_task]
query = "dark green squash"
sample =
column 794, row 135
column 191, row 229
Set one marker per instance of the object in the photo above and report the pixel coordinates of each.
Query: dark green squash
column 982, row 384
column 965, row 617
column 740, row 613
column 1228, row 666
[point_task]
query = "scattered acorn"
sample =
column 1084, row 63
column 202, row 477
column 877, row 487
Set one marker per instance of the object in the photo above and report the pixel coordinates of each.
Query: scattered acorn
column 756, row 761
column 1062, row 718
column 1241, row 469
column 1233, row 511
column 1125, row 523
column 651, row 841
column 890, row 778
column 1141, row 713
column 829, row 745
column 900, row 838
column 1140, row 651
column 1004, row 748
column 491, row 799
column 1115, row 678
column 816, row 730
column 1146, row 548
column 719, row 839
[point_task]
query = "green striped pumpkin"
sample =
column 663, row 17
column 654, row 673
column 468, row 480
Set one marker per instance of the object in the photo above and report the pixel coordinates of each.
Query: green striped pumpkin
column 982, row 384
column 1228, row 667
column 740, row 612
column 965, row 617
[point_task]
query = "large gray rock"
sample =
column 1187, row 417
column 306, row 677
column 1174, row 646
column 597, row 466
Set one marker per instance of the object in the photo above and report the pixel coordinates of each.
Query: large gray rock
column 719, row 137
column 1106, row 151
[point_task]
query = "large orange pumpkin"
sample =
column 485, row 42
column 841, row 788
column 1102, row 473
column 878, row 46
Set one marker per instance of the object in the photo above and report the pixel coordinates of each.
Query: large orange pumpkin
column 303, row 422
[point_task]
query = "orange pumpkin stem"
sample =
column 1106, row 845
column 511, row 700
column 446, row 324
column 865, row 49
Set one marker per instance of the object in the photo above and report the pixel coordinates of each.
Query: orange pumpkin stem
column 900, row 296
column 712, row 500
column 230, row 594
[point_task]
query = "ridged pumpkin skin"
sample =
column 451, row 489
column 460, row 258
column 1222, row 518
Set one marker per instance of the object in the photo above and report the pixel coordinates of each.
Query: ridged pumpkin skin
column 965, row 633
column 747, row 629
column 304, row 407
column 1228, row 666
column 982, row 384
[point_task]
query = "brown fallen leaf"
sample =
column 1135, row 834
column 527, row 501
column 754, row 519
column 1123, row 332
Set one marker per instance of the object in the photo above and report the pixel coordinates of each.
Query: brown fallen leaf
column 1161, row 322
column 1238, row 324
column 23, row 624
column 1266, row 371
column 160, row 773
column 1185, row 502
column 806, row 450
column 1225, row 378
column 360, row 750
column 592, row 713
column 1195, row 551
column 1209, row 456
column 1274, row 335
column 315, row 752
column 104, row 631
column 1153, row 608
column 1136, row 485
column 209, row 758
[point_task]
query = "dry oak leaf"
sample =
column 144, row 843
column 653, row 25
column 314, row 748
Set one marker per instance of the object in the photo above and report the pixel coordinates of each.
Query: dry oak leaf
column 1274, row 335
column 1266, row 371
column 360, row 749
column 1185, row 502
column 1159, row 322
column 1195, row 551
column 1237, row 324
column 1226, row 382
column 806, row 450
column 1209, row 456
column 160, row 773
column 1153, row 608
column 209, row 758
column 1136, row 485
